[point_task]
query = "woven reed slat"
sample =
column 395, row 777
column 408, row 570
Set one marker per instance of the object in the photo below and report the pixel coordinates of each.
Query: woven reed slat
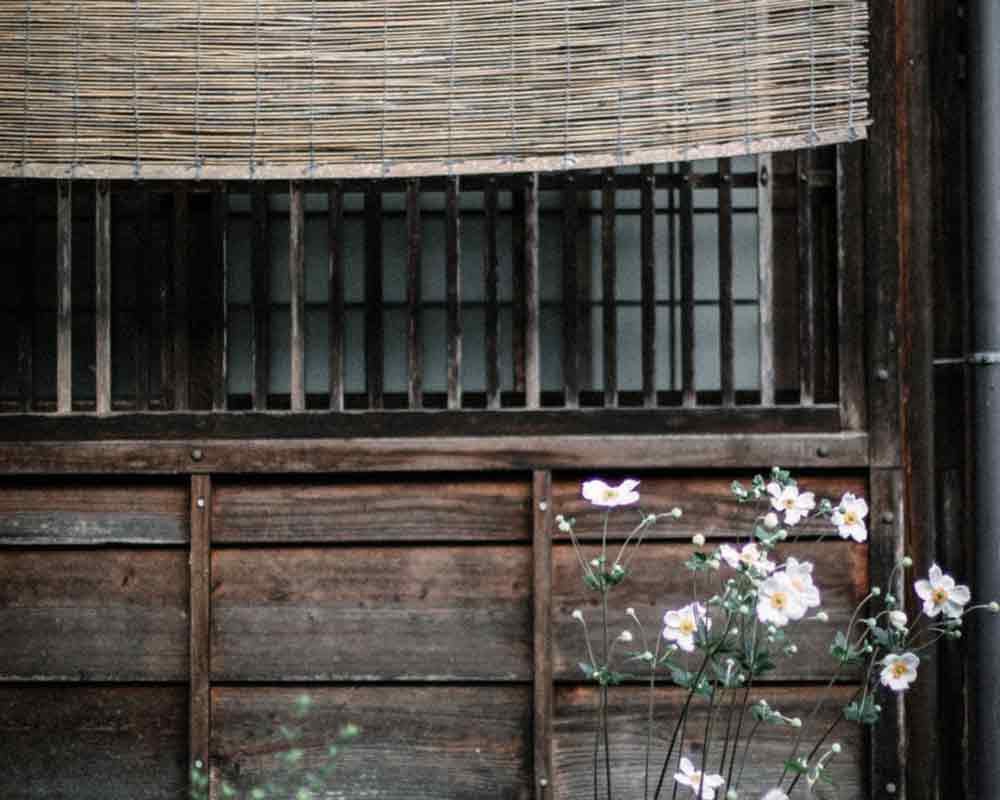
column 366, row 88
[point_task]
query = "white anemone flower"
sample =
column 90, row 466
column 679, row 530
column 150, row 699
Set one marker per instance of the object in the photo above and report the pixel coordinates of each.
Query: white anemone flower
column 941, row 595
column 750, row 556
column 799, row 575
column 778, row 602
column 899, row 671
column 775, row 794
column 707, row 784
column 601, row 494
column 787, row 499
column 898, row 620
column 682, row 625
column 849, row 517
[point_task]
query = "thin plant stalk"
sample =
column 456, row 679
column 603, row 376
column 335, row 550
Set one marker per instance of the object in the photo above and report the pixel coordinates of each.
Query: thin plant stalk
column 822, row 739
column 708, row 740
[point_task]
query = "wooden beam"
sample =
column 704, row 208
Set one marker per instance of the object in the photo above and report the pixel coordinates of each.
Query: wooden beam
column 765, row 275
column 200, row 715
column 851, row 285
column 453, row 281
column 647, row 257
column 335, row 223
column 542, row 618
column 297, row 294
column 690, row 398
column 64, row 289
column 518, row 295
column 609, row 291
column 570, row 295
column 532, row 305
column 102, row 294
column 491, row 288
column 414, row 270
column 808, row 351
column 727, row 352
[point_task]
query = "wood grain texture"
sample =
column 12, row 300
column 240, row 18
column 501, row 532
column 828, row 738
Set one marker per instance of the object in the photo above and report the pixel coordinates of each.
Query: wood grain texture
column 93, row 743
column 102, row 295
column 64, row 298
column 532, row 302
column 416, row 742
column 387, row 613
column 297, row 294
column 727, row 353
column 445, row 509
column 61, row 513
column 200, row 604
column 765, row 275
column 647, row 258
column 708, row 505
column 808, row 352
column 660, row 581
column 453, row 291
column 851, row 285
column 542, row 632
column 576, row 715
column 116, row 615
column 414, row 270
column 687, row 255
column 609, row 269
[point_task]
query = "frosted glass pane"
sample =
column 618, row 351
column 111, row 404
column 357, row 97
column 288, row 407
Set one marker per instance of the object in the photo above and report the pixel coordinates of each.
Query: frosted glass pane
column 239, row 203
column 239, row 347
column 354, row 259
column 433, row 328
column 629, row 348
column 505, row 257
column 354, row 351
column 394, row 356
column 745, row 282
column 596, row 322
column 628, row 285
column 473, row 372
column 706, row 257
column 317, row 352
column 550, row 232
column 706, row 348
column 746, row 342
column 550, row 333
column 280, row 362
column 668, row 349
column 506, row 349
column 471, row 232
column 433, row 279
column 317, row 259
column 238, row 260
column 394, row 259
column 279, row 259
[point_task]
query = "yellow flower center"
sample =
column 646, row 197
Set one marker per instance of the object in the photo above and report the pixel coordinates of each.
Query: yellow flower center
column 939, row 596
column 687, row 627
column 899, row 669
column 851, row 518
column 789, row 502
column 609, row 495
column 779, row 600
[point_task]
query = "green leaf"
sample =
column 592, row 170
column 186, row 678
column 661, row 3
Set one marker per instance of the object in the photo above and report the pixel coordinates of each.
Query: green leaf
column 586, row 669
column 795, row 766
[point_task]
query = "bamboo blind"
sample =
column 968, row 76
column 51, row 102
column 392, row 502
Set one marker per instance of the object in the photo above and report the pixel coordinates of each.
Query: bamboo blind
column 371, row 88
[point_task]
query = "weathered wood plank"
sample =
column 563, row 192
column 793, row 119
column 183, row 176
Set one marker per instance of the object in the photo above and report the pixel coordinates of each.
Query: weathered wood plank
column 491, row 287
column 335, row 223
column 686, row 234
column 851, row 285
column 115, row 615
column 517, row 289
column 180, row 327
column 765, row 275
column 532, row 305
column 447, row 454
column 59, row 513
column 297, row 294
column 542, row 625
column 93, row 743
column 576, row 715
column 707, row 502
column 428, row 742
column 260, row 264
column 387, row 613
column 647, row 258
column 453, row 284
column 660, row 581
column 414, row 270
column 609, row 267
column 570, row 296
column 727, row 352
column 808, row 354
column 64, row 298
column 442, row 510
column 374, row 328
column 200, row 636
column 102, row 295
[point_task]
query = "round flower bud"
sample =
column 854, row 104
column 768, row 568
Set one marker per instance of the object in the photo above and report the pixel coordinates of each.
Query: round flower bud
column 792, row 649
column 796, row 722
column 907, row 562
column 770, row 520
column 822, row 616
column 744, row 610
column 630, row 611
column 876, row 591
column 698, row 540
column 577, row 615
column 897, row 619
column 731, row 795
column 836, row 748
column 676, row 513
column 595, row 562
column 772, row 630
column 625, row 636
column 995, row 607
column 713, row 563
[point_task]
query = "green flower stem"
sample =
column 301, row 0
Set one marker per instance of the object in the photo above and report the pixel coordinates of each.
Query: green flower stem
column 809, row 719
column 746, row 752
column 649, row 727
column 708, row 740
column 743, row 708
column 822, row 739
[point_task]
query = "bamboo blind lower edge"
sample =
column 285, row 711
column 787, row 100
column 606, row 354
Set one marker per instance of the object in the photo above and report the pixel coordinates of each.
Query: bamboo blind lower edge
column 420, row 168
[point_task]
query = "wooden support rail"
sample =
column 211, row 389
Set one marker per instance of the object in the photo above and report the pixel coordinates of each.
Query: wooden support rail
column 297, row 294
column 532, row 307
column 805, row 163
column 64, row 278
column 414, row 275
column 542, row 616
column 453, row 281
column 727, row 353
column 689, row 396
column 179, row 383
column 102, row 295
column 492, row 298
column 765, row 275
column 609, row 308
column 200, row 718
column 647, row 257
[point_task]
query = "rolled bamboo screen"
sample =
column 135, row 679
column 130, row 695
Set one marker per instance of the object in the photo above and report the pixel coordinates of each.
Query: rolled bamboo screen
column 367, row 88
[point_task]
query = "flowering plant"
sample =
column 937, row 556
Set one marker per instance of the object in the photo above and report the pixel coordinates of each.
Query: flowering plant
column 756, row 598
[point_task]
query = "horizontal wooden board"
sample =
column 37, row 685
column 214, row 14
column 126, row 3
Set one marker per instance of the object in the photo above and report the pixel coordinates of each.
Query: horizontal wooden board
column 435, row 454
column 576, row 722
column 445, row 509
column 415, row 743
column 707, row 503
column 660, row 581
column 352, row 613
column 102, row 615
column 93, row 743
column 92, row 513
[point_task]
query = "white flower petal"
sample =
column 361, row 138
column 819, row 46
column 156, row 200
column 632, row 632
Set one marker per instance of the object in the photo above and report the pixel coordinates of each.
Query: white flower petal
column 923, row 589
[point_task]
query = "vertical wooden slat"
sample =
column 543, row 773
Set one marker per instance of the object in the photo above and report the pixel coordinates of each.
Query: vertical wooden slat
column 144, row 266
column 335, row 223
column 297, row 294
column 454, row 292
column 102, row 295
column 851, row 286
column 570, row 297
column 518, row 295
column 374, row 358
column 491, row 287
column 219, row 280
column 807, row 279
column 180, row 330
column 26, row 297
column 727, row 355
column 414, row 264
column 609, row 269
column 64, row 332
column 542, row 594
column 532, row 309
column 688, row 395
column 647, row 256
column 200, row 718
column 765, row 275
column 260, row 259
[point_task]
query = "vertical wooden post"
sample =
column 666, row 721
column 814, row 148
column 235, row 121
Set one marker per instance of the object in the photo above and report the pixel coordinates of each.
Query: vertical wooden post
column 64, row 319
column 765, row 275
column 491, row 287
column 609, row 269
column 689, row 395
column 727, row 356
column 807, row 279
column 570, row 296
column 181, row 332
column 335, row 223
column 414, row 265
column 102, row 295
column 219, row 268
column 260, row 260
column 26, row 297
column 542, row 593
column 146, row 273
column 518, row 296
column 851, row 286
column 453, row 281
column 374, row 329
column 297, row 294
column 200, row 715
column 532, row 310
column 648, row 262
